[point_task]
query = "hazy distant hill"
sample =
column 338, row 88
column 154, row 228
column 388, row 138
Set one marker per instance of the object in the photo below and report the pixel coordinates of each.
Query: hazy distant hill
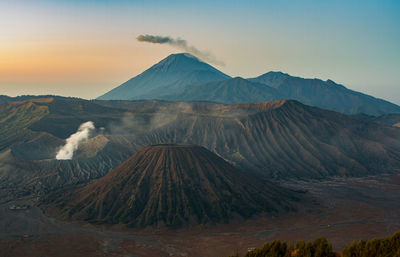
column 183, row 77
column 4, row 99
column 326, row 94
column 172, row 185
column 389, row 119
column 165, row 77
column 230, row 91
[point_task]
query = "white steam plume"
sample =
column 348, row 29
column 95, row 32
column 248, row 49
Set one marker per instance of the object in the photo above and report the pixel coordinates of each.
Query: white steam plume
column 67, row 151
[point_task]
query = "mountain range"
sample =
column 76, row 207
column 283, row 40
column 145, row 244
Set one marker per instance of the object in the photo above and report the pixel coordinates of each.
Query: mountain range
column 271, row 140
column 183, row 77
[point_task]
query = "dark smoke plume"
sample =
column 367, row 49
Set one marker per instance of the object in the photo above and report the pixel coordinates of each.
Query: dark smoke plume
column 181, row 44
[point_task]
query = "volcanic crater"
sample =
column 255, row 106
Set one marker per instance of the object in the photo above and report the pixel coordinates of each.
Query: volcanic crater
column 171, row 185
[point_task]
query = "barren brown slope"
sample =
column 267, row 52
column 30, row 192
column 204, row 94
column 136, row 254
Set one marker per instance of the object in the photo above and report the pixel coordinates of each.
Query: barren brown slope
column 16, row 117
column 287, row 139
column 172, row 185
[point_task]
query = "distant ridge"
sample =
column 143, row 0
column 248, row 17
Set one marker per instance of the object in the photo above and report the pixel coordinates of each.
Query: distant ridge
column 273, row 78
column 6, row 99
column 183, row 77
column 326, row 94
column 172, row 185
column 229, row 91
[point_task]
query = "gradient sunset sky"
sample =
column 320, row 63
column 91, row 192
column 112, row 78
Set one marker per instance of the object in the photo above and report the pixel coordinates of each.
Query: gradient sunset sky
column 85, row 48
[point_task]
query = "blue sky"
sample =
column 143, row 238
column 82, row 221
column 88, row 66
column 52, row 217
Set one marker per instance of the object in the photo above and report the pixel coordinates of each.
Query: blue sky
column 84, row 48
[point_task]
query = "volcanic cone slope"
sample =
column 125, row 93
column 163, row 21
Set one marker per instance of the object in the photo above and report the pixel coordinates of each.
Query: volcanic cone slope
column 172, row 185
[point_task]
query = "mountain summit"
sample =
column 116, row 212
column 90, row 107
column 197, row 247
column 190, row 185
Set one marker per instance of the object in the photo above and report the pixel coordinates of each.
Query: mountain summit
column 182, row 62
column 169, row 75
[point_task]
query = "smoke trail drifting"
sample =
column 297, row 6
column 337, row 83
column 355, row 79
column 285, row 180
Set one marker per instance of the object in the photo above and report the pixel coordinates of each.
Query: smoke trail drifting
column 67, row 151
column 181, row 44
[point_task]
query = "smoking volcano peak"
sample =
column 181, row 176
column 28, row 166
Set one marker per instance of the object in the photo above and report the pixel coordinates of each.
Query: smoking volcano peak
column 165, row 77
column 181, row 62
column 173, row 185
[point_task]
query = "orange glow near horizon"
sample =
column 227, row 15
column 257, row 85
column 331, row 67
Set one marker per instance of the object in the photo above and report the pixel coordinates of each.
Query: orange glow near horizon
column 62, row 59
column 49, row 64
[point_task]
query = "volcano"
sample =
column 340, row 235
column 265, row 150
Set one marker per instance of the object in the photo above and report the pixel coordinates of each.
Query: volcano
column 167, row 77
column 172, row 185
